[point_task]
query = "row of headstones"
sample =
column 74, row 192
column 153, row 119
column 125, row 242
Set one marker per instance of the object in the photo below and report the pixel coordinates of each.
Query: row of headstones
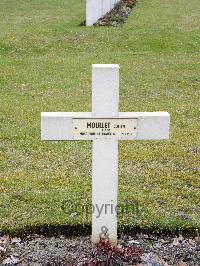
column 96, row 9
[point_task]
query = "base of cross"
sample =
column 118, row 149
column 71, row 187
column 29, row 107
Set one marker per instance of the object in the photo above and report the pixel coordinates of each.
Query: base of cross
column 97, row 9
column 105, row 126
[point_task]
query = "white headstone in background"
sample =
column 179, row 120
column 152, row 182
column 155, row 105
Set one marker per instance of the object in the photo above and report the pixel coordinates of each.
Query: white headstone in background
column 105, row 126
column 95, row 9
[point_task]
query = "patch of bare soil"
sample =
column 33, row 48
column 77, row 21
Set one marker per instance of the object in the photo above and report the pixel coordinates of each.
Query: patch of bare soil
column 140, row 250
column 118, row 15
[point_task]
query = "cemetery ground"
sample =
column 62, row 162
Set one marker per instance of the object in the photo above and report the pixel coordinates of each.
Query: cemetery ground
column 45, row 65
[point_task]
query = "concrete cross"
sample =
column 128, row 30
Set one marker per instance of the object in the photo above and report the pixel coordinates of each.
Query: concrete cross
column 105, row 126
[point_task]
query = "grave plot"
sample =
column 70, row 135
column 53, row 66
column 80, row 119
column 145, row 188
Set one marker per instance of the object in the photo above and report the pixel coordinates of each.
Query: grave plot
column 105, row 126
column 96, row 9
column 109, row 12
column 118, row 15
column 45, row 66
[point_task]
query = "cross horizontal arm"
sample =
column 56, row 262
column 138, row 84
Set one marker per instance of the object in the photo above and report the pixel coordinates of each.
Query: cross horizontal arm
column 150, row 125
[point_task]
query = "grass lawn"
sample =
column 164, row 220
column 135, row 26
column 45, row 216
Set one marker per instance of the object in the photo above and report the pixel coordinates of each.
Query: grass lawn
column 45, row 65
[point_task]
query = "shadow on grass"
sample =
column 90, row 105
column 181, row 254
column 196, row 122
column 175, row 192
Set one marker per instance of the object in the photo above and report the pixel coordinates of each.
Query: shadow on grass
column 85, row 230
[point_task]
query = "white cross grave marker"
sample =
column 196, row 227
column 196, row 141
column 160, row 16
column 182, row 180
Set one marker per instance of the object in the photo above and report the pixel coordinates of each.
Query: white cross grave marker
column 105, row 126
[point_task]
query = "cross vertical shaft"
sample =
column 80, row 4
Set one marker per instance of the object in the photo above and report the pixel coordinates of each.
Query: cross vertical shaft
column 105, row 103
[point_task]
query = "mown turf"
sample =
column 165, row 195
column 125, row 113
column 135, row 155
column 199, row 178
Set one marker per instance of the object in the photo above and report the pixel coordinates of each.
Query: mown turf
column 45, row 65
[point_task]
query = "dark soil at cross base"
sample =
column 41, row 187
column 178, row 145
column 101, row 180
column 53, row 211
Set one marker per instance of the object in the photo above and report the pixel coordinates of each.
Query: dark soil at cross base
column 38, row 250
column 118, row 15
